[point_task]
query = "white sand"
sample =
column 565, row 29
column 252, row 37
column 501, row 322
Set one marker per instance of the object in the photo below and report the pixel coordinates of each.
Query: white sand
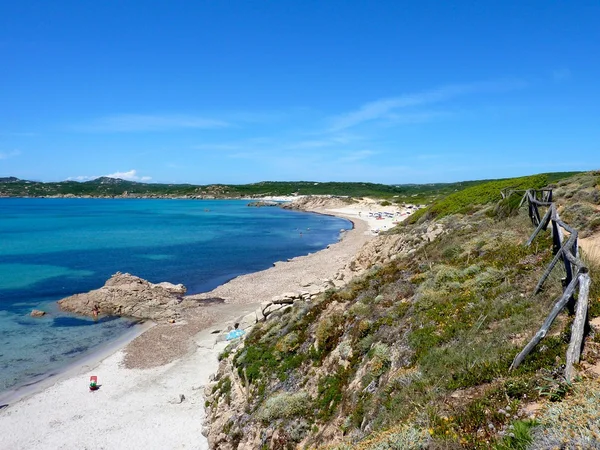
column 132, row 409
column 371, row 212
column 139, row 408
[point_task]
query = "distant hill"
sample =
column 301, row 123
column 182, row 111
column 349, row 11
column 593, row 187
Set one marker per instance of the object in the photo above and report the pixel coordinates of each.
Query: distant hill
column 115, row 187
column 109, row 180
column 9, row 180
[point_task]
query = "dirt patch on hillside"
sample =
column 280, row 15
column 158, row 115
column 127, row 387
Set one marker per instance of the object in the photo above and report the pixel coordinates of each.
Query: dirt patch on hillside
column 591, row 246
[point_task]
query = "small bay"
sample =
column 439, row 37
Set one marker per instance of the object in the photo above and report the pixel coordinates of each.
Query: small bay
column 52, row 248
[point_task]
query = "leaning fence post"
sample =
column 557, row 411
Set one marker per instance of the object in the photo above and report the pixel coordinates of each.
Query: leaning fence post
column 560, row 254
column 578, row 327
column 558, row 306
column 542, row 225
column 556, row 238
column 567, row 281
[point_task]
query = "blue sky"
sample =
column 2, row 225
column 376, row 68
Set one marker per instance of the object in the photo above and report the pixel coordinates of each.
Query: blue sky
column 244, row 91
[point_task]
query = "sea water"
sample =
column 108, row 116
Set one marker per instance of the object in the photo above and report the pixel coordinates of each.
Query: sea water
column 53, row 248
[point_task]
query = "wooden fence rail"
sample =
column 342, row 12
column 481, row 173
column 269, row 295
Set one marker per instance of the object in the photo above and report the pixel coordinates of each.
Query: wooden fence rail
column 577, row 275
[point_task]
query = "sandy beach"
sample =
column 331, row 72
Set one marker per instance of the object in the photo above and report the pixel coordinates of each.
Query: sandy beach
column 139, row 403
column 134, row 408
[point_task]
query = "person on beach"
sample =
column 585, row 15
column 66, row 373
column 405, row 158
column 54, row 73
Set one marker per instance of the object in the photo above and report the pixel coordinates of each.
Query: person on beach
column 95, row 311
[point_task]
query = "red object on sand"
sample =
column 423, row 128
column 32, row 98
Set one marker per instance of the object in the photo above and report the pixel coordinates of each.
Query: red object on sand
column 93, row 383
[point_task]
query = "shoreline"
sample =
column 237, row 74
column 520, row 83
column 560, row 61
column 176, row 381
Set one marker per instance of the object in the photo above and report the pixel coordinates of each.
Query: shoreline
column 155, row 408
column 126, row 342
column 130, row 370
column 74, row 368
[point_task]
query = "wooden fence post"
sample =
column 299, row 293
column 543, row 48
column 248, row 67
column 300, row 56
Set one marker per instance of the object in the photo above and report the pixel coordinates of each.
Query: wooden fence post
column 576, row 275
column 578, row 327
column 558, row 306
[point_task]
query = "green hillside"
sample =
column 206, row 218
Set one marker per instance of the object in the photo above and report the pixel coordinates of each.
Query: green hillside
column 112, row 187
column 416, row 352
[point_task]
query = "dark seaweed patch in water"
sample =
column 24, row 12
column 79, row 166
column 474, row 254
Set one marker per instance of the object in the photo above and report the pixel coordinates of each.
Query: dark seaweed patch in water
column 76, row 350
column 77, row 322
column 71, row 322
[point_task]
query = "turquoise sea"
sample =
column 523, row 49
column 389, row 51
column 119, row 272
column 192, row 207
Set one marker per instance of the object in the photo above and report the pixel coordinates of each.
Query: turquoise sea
column 52, row 248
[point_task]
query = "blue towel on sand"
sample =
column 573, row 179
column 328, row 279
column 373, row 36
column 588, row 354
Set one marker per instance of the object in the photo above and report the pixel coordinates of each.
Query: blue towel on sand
column 234, row 334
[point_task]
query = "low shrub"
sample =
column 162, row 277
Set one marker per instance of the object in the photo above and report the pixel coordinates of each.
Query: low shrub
column 517, row 436
column 330, row 393
column 284, row 406
column 380, row 359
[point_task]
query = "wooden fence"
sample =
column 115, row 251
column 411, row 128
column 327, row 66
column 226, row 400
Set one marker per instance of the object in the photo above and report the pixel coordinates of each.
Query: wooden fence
column 577, row 275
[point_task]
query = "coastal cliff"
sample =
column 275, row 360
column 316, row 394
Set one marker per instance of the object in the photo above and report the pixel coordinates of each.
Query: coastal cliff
column 414, row 350
column 129, row 296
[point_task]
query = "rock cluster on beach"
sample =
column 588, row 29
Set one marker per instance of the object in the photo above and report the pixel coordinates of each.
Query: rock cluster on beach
column 284, row 301
column 130, row 296
column 315, row 202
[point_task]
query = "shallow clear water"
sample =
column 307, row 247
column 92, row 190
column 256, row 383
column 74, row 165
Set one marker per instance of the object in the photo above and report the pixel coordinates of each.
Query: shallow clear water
column 52, row 248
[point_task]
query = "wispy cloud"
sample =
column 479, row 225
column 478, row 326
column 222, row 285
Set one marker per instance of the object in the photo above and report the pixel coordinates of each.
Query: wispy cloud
column 130, row 175
column 561, row 75
column 418, row 117
column 321, row 140
column 220, row 147
column 384, row 108
column 16, row 134
column 11, row 154
column 81, row 178
column 246, row 155
column 141, row 122
column 357, row 156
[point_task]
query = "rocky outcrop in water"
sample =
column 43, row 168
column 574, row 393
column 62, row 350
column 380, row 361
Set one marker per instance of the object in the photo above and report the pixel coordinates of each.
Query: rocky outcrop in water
column 130, row 296
column 261, row 203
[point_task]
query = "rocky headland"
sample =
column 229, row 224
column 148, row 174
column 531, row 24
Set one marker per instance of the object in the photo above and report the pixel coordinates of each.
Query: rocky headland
column 129, row 296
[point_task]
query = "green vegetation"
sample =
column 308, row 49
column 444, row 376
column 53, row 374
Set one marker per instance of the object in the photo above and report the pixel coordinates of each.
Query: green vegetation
column 468, row 200
column 415, row 353
column 517, row 436
column 582, row 209
column 284, row 406
column 111, row 187
column 571, row 424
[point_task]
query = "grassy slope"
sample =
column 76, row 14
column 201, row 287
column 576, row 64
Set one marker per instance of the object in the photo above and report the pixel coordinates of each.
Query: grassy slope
column 417, row 352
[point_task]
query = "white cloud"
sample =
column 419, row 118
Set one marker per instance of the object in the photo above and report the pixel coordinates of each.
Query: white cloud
column 12, row 154
column 384, row 108
column 141, row 122
column 130, row 175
